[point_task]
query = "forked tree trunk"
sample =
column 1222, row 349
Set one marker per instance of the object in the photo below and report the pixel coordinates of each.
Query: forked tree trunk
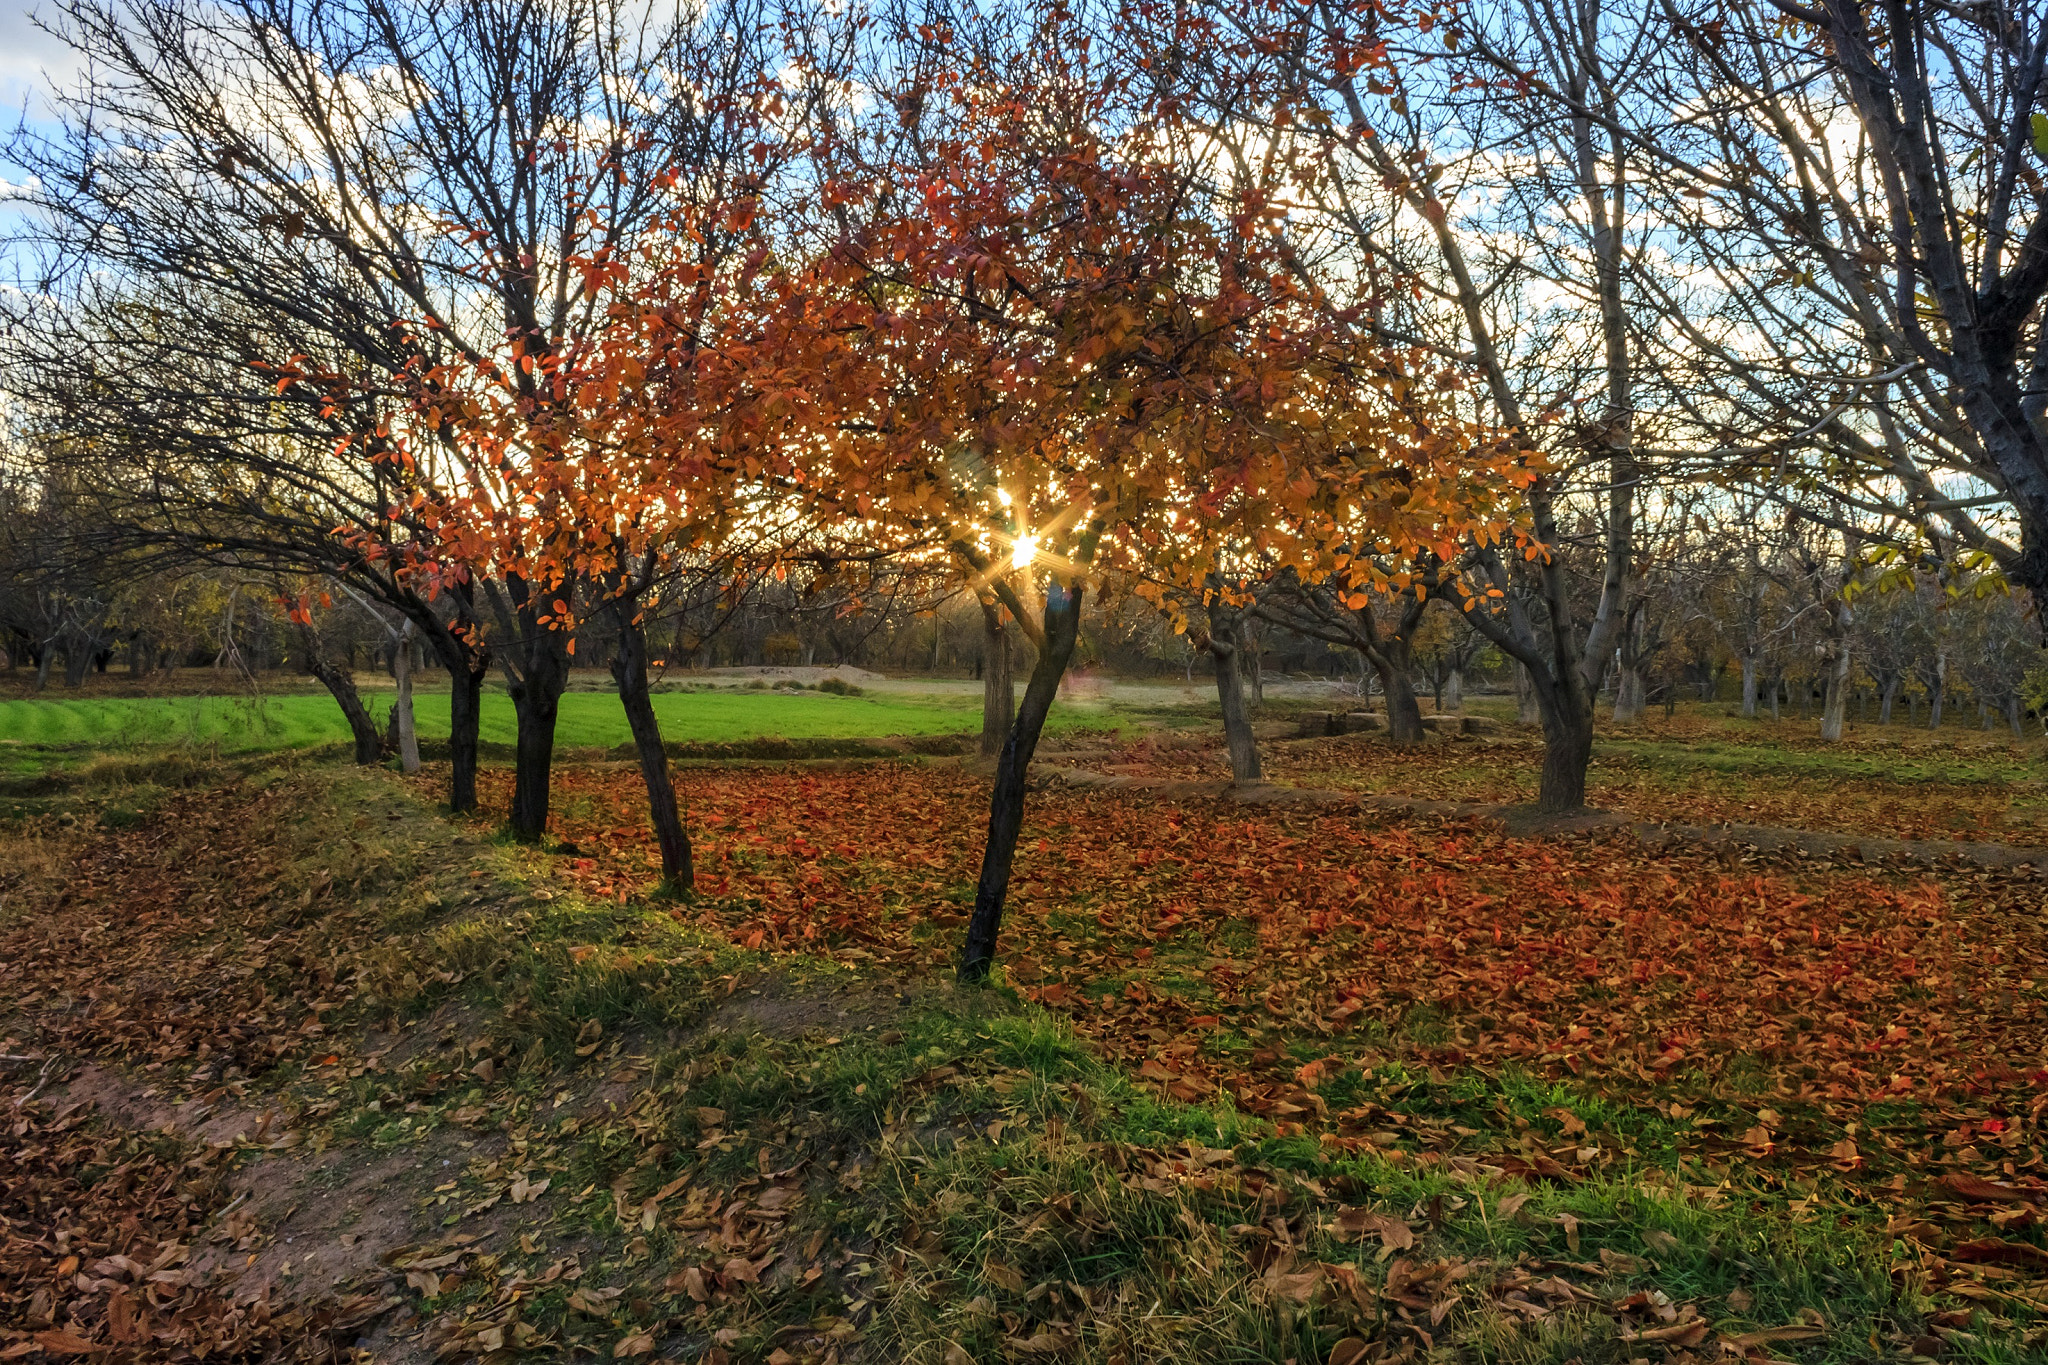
column 629, row 670
column 1225, row 631
column 998, row 682
column 1006, row 796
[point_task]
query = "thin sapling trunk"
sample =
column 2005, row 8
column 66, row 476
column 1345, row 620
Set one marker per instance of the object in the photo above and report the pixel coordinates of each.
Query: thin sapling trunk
column 1006, row 797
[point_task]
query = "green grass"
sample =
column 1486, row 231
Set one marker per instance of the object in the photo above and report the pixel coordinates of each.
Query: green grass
column 34, row 732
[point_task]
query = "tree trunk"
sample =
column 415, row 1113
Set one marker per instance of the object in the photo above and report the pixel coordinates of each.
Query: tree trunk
column 1006, row 797
column 43, row 661
column 2012, row 715
column 1567, row 746
column 1251, row 664
column 403, row 725
column 1395, row 664
column 1454, row 692
column 1630, row 696
column 1528, row 711
column 1891, row 694
column 1225, row 631
column 1748, row 687
column 466, row 669
column 77, row 661
column 1835, row 710
column 998, row 685
column 1935, row 699
column 1776, row 686
column 629, row 670
column 337, row 680
column 536, row 704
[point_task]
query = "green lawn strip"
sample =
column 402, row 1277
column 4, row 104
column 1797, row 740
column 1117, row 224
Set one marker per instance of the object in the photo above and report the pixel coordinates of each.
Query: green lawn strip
column 37, row 733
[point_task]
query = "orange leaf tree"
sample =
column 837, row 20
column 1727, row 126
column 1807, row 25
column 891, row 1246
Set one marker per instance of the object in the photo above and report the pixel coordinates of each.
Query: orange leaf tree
column 1033, row 334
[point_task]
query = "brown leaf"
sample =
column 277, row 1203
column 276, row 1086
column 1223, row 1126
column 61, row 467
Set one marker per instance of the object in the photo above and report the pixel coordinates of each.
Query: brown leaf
column 1356, row 1224
column 64, row 1342
column 1003, row 1276
column 1988, row 1192
column 1349, row 1351
column 1992, row 1251
column 1765, row 1336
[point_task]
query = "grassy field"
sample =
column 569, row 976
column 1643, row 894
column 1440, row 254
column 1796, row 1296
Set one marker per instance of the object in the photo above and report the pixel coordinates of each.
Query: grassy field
column 36, row 733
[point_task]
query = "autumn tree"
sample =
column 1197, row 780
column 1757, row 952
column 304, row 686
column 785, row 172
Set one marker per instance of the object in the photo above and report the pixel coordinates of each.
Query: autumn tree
column 257, row 225
column 1028, row 335
column 1856, row 254
column 1463, row 189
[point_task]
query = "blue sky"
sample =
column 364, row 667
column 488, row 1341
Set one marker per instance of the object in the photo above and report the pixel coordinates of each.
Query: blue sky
column 27, row 56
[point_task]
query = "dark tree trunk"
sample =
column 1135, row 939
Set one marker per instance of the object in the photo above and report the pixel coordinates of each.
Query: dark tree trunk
column 466, row 669
column 77, row 661
column 1395, row 664
column 998, row 685
column 629, row 670
column 536, row 704
column 1224, row 635
column 1567, row 746
column 338, row 680
column 1006, row 798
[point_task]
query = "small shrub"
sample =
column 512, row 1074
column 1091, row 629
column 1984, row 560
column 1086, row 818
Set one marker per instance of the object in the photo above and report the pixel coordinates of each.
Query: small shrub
column 839, row 687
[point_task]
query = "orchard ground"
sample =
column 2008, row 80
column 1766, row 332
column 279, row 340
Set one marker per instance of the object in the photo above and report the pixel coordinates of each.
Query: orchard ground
column 292, row 1063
